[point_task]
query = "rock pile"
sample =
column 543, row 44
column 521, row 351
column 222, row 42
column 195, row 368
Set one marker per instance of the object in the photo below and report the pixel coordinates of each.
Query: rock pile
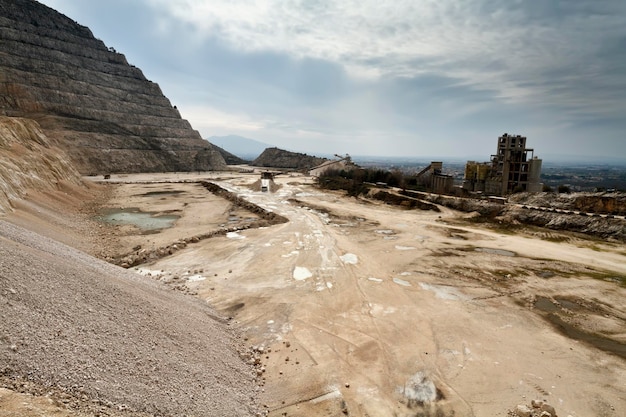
column 538, row 408
column 104, row 340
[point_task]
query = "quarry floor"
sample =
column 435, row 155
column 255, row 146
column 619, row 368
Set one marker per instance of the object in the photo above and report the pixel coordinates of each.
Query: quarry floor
column 358, row 308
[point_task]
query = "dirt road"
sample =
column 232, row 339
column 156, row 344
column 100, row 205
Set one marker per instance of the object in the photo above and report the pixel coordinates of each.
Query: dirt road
column 362, row 309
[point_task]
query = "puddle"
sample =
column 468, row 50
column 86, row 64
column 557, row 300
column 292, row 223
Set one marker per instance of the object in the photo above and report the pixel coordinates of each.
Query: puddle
column 145, row 221
column 602, row 343
column 375, row 279
column 398, row 247
column 570, row 305
column 161, row 193
column 496, row 251
column 595, row 340
column 546, row 305
column 545, row 274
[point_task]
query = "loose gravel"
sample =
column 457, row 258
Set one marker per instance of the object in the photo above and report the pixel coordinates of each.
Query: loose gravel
column 112, row 339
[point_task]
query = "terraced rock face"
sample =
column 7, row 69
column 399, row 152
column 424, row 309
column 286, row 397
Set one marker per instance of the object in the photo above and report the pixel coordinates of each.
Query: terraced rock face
column 102, row 111
column 279, row 158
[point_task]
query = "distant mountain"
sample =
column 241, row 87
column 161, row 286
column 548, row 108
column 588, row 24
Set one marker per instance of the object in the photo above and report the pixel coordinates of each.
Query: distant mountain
column 242, row 147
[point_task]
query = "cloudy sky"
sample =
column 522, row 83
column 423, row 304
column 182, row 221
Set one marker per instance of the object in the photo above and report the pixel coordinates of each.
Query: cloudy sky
column 383, row 77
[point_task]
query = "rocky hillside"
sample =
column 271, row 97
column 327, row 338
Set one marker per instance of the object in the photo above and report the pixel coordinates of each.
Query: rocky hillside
column 28, row 161
column 102, row 111
column 279, row 158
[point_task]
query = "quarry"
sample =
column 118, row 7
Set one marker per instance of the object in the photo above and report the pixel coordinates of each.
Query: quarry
column 140, row 275
column 340, row 306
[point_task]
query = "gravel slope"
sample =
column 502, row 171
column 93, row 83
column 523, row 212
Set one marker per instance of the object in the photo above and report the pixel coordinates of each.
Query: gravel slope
column 114, row 339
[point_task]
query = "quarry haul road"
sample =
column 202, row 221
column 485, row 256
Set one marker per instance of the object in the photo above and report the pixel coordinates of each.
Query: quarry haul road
column 362, row 309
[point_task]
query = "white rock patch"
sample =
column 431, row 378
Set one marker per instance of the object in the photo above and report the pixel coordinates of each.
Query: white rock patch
column 234, row 235
column 301, row 273
column 402, row 282
column 443, row 292
column 349, row 258
column 195, row 278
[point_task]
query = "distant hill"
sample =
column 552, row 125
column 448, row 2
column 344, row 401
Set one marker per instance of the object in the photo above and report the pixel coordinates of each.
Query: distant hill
column 279, row 158
column 242, row 147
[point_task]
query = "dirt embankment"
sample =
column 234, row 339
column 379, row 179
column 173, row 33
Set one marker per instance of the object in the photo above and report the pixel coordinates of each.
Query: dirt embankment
column 29, row 161
column 606, row 228
column 405, row 201
column 269, row 216
column 521, row 210
column 601, row 202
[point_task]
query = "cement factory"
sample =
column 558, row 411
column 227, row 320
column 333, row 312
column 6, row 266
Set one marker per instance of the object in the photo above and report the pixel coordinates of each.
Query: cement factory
column 513, row 168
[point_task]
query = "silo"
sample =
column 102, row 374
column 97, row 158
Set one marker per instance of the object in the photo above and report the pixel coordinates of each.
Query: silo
column 470, row 170
column 483, row 171
column 534, row 170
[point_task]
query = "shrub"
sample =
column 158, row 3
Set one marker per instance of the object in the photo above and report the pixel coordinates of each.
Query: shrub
column 564, row 189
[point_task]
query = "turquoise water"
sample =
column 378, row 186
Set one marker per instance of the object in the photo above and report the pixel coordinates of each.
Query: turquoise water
column 143, row 220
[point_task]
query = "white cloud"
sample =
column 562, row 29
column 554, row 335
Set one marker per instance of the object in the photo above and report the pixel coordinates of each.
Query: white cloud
column 209, row 119
column 483, row 43
column 381, row 76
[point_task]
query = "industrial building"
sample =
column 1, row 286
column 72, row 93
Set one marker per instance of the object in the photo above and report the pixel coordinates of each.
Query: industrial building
column 513, row 168
column 433, row 178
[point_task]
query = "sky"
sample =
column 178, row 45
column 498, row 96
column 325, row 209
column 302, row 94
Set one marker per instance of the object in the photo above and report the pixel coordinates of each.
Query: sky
column 411, row 78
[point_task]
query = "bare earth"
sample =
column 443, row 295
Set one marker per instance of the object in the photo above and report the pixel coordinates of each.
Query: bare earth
column 362, row 309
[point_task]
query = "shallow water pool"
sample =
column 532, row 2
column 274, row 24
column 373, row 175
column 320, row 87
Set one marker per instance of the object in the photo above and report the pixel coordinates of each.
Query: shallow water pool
column 146, row 221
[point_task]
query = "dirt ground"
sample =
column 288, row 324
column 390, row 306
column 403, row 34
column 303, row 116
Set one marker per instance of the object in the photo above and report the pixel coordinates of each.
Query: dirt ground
column 359, row 308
